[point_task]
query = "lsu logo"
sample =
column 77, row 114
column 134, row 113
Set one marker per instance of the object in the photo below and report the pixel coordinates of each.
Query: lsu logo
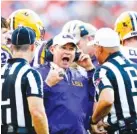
column 77, row 83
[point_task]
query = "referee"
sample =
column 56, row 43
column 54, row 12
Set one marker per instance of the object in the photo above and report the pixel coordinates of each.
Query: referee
column 116, row 83
column 22, row 110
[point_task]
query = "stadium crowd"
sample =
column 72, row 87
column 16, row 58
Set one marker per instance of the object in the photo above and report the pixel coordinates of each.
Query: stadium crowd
column 96, row 13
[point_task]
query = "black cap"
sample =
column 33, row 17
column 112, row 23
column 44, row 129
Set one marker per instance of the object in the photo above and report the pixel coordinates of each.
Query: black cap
column 23, row 35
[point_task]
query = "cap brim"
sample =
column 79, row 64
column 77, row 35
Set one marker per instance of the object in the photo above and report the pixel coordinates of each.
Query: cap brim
column 62, row 42
column 66, row 42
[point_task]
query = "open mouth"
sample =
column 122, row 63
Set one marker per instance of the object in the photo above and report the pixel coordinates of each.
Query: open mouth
column 65, row 59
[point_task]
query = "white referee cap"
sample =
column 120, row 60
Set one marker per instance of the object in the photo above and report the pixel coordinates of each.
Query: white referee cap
column 105, row 37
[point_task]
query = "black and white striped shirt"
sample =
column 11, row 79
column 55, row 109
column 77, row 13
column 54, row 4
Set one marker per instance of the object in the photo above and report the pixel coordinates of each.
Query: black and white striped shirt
column 19, row 81
column 119, row 74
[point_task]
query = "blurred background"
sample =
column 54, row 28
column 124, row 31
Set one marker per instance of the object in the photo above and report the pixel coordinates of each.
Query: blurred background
column 55, row 14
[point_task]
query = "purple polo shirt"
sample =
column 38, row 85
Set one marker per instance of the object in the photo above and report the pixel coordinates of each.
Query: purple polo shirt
column 67, row 103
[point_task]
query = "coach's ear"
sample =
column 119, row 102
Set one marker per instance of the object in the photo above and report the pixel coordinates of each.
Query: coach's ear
column 52, row 48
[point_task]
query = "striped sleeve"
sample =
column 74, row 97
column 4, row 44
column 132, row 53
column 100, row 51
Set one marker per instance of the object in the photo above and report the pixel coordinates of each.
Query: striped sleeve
column 101, row 79
column 35, row 86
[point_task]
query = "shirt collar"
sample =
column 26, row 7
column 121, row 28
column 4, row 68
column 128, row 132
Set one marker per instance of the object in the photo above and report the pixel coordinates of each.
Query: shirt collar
column 113, row 55
column 17, row 60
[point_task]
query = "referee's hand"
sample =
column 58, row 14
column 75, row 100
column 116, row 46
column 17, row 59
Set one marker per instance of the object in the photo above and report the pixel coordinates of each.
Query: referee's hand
column 85, row 62
column 98, row 128
column 55, row 75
